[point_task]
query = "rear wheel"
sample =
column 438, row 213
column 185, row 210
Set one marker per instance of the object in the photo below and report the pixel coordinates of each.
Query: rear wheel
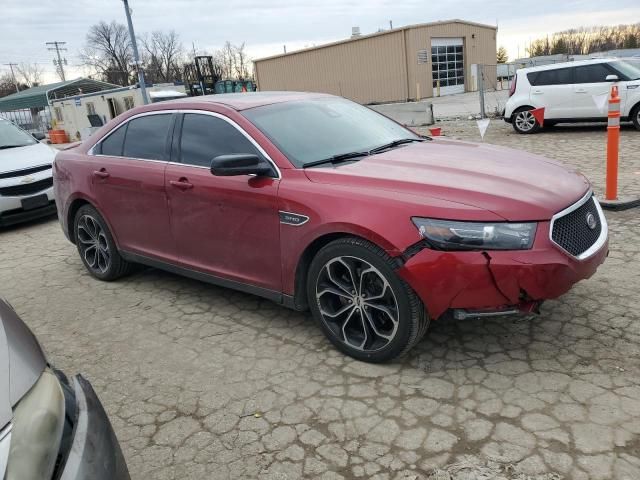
column 524, row 121
column 96, row 247
column 362, row 306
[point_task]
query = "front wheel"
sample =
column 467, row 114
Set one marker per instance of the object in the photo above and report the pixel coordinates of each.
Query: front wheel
column 525, row 122
column 635, row 116
column 362, row 306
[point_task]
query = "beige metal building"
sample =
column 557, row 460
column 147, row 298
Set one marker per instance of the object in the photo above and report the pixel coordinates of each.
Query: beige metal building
column 407, row 63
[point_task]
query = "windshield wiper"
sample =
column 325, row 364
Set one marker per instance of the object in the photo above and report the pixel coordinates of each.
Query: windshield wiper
column 2, row 147
column 336, row 158
column 395, row 143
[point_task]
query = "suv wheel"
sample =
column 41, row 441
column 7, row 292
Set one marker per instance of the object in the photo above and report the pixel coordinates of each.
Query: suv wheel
column 524, row 121
column 635, row 116
column 362, row 306
column 96, row 247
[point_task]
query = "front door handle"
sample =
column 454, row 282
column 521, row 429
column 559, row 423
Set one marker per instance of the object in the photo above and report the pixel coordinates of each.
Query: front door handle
column 537, row 92
column 182, row 184
column 102, row 173
column 580, row 90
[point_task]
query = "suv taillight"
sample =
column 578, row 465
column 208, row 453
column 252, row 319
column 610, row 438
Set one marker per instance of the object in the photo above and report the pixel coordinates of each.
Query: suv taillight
column 512, row 90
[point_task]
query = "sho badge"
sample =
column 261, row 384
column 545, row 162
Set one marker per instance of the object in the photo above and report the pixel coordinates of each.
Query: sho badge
column 592, row 223
column 289, row 218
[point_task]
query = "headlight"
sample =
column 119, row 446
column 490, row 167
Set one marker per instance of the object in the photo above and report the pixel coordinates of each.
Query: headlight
column 38, row 421
column 453, row 235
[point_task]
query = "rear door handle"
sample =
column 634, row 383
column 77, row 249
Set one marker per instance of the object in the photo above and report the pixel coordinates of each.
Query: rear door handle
column 537, row 92
column 182, row 184
column 102, row 173
column 580, row 90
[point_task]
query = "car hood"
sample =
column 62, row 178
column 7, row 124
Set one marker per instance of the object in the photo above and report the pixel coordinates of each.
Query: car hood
column 21, row 361
column 19, row 158
column 515, row 185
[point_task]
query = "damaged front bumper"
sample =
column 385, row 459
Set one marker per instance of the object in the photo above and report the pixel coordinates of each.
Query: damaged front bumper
column 94, row 452
column 496, row 281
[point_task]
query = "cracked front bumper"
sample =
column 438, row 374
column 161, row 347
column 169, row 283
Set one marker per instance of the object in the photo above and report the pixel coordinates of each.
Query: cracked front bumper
column 496, row 279
column 95, row 452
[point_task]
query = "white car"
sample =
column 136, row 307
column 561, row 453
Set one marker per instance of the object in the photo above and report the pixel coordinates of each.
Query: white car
column 26, row 177
column 573, row 92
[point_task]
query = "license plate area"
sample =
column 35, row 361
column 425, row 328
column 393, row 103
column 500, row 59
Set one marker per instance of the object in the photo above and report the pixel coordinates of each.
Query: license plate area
column 32, row 203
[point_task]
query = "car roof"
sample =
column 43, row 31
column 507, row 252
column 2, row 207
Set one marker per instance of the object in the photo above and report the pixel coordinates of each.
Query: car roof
column 575, row 63
column 246, row 100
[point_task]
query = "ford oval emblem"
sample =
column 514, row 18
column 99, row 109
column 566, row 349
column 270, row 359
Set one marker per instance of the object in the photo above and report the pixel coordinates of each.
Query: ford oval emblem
column 592, row 223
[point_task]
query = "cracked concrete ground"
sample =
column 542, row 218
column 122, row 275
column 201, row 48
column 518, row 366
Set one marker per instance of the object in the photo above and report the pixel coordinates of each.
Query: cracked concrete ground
column 202, row 382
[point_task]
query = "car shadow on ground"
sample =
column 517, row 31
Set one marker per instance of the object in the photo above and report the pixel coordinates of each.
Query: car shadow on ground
column 569, row 128
column 449, row 344
column 29, row 224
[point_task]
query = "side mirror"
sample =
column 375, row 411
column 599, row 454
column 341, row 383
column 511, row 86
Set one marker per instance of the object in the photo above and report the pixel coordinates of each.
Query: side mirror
column 38, row 136
column 240, row 164
column 611, row 78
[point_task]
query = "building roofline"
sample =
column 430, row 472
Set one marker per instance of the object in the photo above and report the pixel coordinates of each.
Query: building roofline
column 375, row 34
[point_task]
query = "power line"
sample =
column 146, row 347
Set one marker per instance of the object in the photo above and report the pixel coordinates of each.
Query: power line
column 56, row 47
column 13, row 75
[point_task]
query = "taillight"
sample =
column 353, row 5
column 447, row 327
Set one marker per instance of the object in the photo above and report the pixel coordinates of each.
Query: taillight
column 512, row 90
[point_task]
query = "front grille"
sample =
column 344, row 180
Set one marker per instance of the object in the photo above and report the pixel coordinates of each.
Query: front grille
column 25, row 171
column 572, row 232
column 26, row 188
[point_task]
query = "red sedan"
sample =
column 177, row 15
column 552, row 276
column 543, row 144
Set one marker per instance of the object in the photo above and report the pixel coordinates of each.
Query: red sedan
column 316, row 202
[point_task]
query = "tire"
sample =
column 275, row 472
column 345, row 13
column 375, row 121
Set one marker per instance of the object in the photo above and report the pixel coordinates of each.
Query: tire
column 365, row 309
column 96, row 247
column 523, row 121
column 635, row 116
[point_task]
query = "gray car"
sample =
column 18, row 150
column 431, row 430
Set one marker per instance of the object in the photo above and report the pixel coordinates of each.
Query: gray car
column 50, row 427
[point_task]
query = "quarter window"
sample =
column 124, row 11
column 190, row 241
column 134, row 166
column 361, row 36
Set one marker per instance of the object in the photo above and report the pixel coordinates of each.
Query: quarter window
column 204, row 137
column 112, row 145
column 559, row 76
column 147, row 136
column 596, row 73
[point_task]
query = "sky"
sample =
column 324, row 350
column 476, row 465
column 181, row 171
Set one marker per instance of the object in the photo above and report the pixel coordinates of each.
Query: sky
column 266, row 26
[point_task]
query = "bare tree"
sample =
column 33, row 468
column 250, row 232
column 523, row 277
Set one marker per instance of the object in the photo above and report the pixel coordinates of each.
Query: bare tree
column 162, row 54
column 582, row 41
column 241, row 63
column 229, row 59
column 7, row 87
column 30, row 74
column 108, row 51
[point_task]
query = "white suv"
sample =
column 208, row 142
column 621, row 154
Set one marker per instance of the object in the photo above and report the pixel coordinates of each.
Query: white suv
column 573, row 92
column 26, row 178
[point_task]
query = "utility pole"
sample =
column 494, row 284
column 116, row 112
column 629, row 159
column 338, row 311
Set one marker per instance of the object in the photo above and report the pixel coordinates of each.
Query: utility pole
column 59, row 64
column 13, row 75
column 390, row 24
column 136, row 58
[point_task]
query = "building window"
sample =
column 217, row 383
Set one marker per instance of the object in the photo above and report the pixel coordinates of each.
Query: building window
column 91, row 108
column 128, row 103
column 58, row 113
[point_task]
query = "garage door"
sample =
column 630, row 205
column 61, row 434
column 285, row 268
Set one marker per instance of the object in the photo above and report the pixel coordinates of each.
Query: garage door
column 447, row 65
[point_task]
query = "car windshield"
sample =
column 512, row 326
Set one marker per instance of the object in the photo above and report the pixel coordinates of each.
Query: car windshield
column 310, row 131
column 629, row 68
column 12, row 136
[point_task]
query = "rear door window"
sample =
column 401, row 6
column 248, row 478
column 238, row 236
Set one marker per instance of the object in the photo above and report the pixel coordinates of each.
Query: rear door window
column 596, row 73
column 205, row 137
column 112, row 145
column 559, row 76
column 147, row 137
